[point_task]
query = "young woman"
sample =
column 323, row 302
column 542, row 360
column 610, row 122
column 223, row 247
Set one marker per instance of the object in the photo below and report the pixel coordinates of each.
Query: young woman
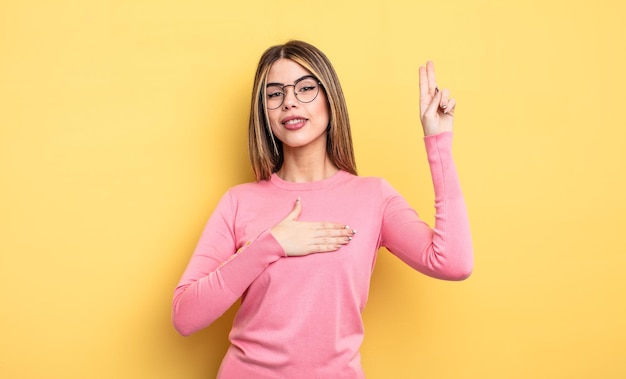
column 298, row 246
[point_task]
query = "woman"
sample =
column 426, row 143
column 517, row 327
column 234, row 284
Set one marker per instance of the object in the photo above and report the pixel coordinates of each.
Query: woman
column 287, row 245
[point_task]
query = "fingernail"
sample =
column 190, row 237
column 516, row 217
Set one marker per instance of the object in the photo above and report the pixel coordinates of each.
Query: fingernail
column 436, row 89
column 353, row 231
column 444, row 106
column 298, row 199
column 347, row 227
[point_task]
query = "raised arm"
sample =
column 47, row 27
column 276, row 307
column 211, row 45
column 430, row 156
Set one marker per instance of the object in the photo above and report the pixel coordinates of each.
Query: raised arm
column 445, row 251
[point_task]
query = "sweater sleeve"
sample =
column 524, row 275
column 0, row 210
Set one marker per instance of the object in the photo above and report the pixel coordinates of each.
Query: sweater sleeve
column 445, row 251
column 219, row 271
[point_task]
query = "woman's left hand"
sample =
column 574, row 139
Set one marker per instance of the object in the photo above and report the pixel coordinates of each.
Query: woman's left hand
column 436, row 106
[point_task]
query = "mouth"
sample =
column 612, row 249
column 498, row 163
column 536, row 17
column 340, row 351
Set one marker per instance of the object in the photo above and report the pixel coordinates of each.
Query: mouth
column 295, row 123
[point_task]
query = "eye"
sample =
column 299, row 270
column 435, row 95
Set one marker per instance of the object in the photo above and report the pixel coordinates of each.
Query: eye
column 307, row 86
column 274, row 92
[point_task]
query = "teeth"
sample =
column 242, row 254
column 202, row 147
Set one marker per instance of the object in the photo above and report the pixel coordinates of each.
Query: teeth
column 294, row 121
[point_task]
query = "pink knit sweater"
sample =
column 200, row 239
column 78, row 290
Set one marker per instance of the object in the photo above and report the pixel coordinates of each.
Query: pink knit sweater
column 300, row 317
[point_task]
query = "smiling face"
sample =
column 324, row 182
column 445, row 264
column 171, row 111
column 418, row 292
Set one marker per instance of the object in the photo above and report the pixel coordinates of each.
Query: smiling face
column 296, row 124
column 325, row 120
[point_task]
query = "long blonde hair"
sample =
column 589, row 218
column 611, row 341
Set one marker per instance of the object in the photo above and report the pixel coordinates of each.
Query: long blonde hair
column 266, row 153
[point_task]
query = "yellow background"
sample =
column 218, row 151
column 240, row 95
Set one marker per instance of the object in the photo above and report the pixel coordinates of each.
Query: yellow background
column 122, row 122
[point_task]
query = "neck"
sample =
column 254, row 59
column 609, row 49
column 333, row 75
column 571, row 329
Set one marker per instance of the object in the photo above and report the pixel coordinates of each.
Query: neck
column 301, row 166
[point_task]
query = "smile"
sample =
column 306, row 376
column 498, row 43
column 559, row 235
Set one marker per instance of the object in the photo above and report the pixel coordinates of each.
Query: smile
column 295, row 121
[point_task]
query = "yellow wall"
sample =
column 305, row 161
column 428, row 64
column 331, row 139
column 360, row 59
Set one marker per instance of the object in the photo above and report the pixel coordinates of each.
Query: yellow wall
column 123, row 121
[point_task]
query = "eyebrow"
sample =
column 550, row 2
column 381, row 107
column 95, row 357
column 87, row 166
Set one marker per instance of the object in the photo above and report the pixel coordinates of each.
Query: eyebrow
column 295, row 82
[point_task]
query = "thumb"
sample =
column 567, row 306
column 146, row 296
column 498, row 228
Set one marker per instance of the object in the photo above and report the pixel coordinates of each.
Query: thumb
column 295, row 212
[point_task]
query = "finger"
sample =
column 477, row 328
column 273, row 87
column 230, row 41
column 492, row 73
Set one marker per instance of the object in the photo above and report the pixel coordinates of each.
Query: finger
column 325, row 230
column 331, row 226
column 434, row 104
column 343, row 232
column 445, row 96
column 330, row 244
column 295, row 212
column 423, row 82
column 333, row 241
column 450, row 108
column 332, row 235
column 430, row 73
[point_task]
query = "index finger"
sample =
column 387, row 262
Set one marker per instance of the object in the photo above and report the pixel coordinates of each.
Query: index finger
column 430, row 72
column 332, row 225
column 423, row 82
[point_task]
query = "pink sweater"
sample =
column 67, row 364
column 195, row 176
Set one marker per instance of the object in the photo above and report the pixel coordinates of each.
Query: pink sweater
column 300, row 317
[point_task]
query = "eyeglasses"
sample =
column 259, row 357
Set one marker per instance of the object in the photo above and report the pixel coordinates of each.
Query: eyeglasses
column 305, row 89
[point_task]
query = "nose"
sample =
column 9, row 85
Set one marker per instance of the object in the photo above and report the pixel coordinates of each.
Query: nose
column 290, row 99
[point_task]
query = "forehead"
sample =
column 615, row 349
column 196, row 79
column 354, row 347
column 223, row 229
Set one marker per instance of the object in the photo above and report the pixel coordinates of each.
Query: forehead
column 286, row 71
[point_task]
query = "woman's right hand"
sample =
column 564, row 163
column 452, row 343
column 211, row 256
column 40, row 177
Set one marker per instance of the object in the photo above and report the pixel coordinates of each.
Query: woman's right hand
column 299, row 238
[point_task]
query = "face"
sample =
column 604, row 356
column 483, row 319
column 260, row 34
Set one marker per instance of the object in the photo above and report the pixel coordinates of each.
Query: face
column 296, row 124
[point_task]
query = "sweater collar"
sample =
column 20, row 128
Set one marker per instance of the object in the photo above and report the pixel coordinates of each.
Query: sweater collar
column 309, row 186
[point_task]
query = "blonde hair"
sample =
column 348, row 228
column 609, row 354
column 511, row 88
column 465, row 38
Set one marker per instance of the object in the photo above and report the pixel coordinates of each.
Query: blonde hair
column 266, row 153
